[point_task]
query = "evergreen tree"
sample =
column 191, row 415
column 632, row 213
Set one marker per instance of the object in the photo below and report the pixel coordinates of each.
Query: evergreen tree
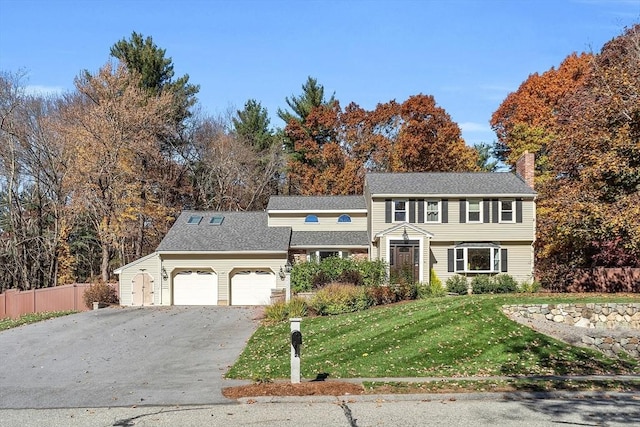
column 252, row 125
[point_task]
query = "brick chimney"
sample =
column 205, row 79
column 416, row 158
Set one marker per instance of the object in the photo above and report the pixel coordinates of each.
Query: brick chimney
column 525, row 167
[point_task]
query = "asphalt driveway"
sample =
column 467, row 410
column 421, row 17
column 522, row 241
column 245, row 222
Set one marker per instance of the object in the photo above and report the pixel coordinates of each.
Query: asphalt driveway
column 123, row 357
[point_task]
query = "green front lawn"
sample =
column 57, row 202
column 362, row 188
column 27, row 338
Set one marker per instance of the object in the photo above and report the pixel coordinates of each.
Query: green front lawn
column 450, row 337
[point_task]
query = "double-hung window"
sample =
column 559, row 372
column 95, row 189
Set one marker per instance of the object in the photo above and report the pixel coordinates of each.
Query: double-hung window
column 474, row 211
column 507, row 211
column 399, row 210
column 432, row 211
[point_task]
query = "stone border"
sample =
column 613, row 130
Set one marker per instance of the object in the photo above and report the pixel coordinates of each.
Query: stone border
column 589, row 315
column 611, row 328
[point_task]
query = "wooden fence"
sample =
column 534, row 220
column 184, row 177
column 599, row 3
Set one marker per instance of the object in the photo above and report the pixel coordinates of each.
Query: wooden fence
column 14, row 303
column 623, row 279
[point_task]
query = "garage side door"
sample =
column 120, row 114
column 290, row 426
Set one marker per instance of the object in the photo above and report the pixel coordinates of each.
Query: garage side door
column 195, row 288
column 252, row 287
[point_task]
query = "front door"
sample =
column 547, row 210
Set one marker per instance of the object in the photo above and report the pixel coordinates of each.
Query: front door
column 404, row 262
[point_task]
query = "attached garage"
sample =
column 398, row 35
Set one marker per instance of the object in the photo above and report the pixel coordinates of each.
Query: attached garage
column 252, row 287
column 195, row 287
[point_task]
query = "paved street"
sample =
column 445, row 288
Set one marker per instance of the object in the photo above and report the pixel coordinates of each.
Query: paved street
column 496, row 410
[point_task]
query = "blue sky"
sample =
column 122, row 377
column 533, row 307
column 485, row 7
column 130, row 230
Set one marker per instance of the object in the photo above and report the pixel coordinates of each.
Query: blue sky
column 468, row 54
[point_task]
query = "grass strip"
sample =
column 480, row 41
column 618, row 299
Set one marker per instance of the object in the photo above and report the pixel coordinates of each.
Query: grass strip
column 31, row 318
column 511, row 385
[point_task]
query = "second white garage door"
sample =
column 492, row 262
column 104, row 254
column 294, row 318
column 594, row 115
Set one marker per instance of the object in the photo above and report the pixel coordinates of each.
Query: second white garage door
column 195, row 288
column 252, row 287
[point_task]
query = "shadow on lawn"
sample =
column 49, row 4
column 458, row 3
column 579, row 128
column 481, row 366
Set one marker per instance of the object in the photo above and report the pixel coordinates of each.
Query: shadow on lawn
column 554, row 358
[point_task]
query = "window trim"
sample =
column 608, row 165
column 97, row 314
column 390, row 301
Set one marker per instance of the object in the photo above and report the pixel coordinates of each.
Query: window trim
column 479, row 211
column 502, row 211
column 311, row 219
column 314, row 255
column 194, row 220
column 495, row 261
column 426, row 211
column 344, row 219
column 405, row 210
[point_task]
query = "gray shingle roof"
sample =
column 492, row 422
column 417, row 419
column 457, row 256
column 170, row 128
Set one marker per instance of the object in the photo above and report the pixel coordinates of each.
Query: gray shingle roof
column 239, row 231
column 329, row 238
column 447, row 183
column 316, row 203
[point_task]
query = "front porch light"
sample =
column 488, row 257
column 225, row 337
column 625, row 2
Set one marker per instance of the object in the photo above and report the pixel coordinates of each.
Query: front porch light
column 405, row 235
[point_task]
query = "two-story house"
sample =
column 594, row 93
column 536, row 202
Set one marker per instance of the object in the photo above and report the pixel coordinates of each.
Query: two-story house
column 453, row 223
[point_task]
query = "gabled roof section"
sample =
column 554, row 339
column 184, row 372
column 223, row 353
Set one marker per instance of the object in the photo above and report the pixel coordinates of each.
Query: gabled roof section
column 404, row 226
column 132, row 263
column 329, row 239
column 447, row 184
column 317, row 203
column 238, row 232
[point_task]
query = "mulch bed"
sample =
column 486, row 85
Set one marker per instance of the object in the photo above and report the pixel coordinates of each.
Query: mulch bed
column 311, row 388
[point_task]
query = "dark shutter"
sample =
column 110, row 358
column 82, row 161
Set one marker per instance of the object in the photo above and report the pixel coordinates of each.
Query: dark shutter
column 412, row 211
column 421, row 211
column 451, row 260
column 518, row 210
column 463, row 211
column 503, row 261
column 485, row 208
column 495, row 208
column 445, row 211
column 387, row 211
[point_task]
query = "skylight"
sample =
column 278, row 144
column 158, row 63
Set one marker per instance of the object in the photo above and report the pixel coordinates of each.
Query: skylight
column 194, row 219
column 216, row 220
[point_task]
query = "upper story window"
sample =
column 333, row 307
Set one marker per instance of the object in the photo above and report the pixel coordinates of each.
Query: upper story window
column 507, row 211
column 194, row 219
column 474, row 210
column 344, row 218
column 399, row 210
column 312, row 219
column 432, row 211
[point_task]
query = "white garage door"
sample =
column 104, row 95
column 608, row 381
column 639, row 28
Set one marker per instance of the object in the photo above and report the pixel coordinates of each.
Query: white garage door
column 195, row 288
column 252, row 287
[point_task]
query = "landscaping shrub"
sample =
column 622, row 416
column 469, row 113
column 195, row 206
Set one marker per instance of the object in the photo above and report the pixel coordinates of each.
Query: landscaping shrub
column 337, row 298
column 433, row 289
column 373, row 272
column 504, row 284
column 321, row 279
column 306, row 276
column 302, row 275
column 350, row 276
column 482, row 284
column 297, row 307
column 405, row 291
column 381, row 295
column 100, row 292
column 276, row 312
column 457, row 284
column 530, row 287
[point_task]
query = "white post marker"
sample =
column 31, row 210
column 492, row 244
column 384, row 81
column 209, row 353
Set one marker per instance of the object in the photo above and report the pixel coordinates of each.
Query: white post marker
column 296, row 343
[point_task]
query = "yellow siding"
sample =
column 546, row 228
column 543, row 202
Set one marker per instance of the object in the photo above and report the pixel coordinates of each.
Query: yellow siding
column 150, row 265
column 519, row 262
column 453, row 230
column 327, row 222
column 223, row 265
